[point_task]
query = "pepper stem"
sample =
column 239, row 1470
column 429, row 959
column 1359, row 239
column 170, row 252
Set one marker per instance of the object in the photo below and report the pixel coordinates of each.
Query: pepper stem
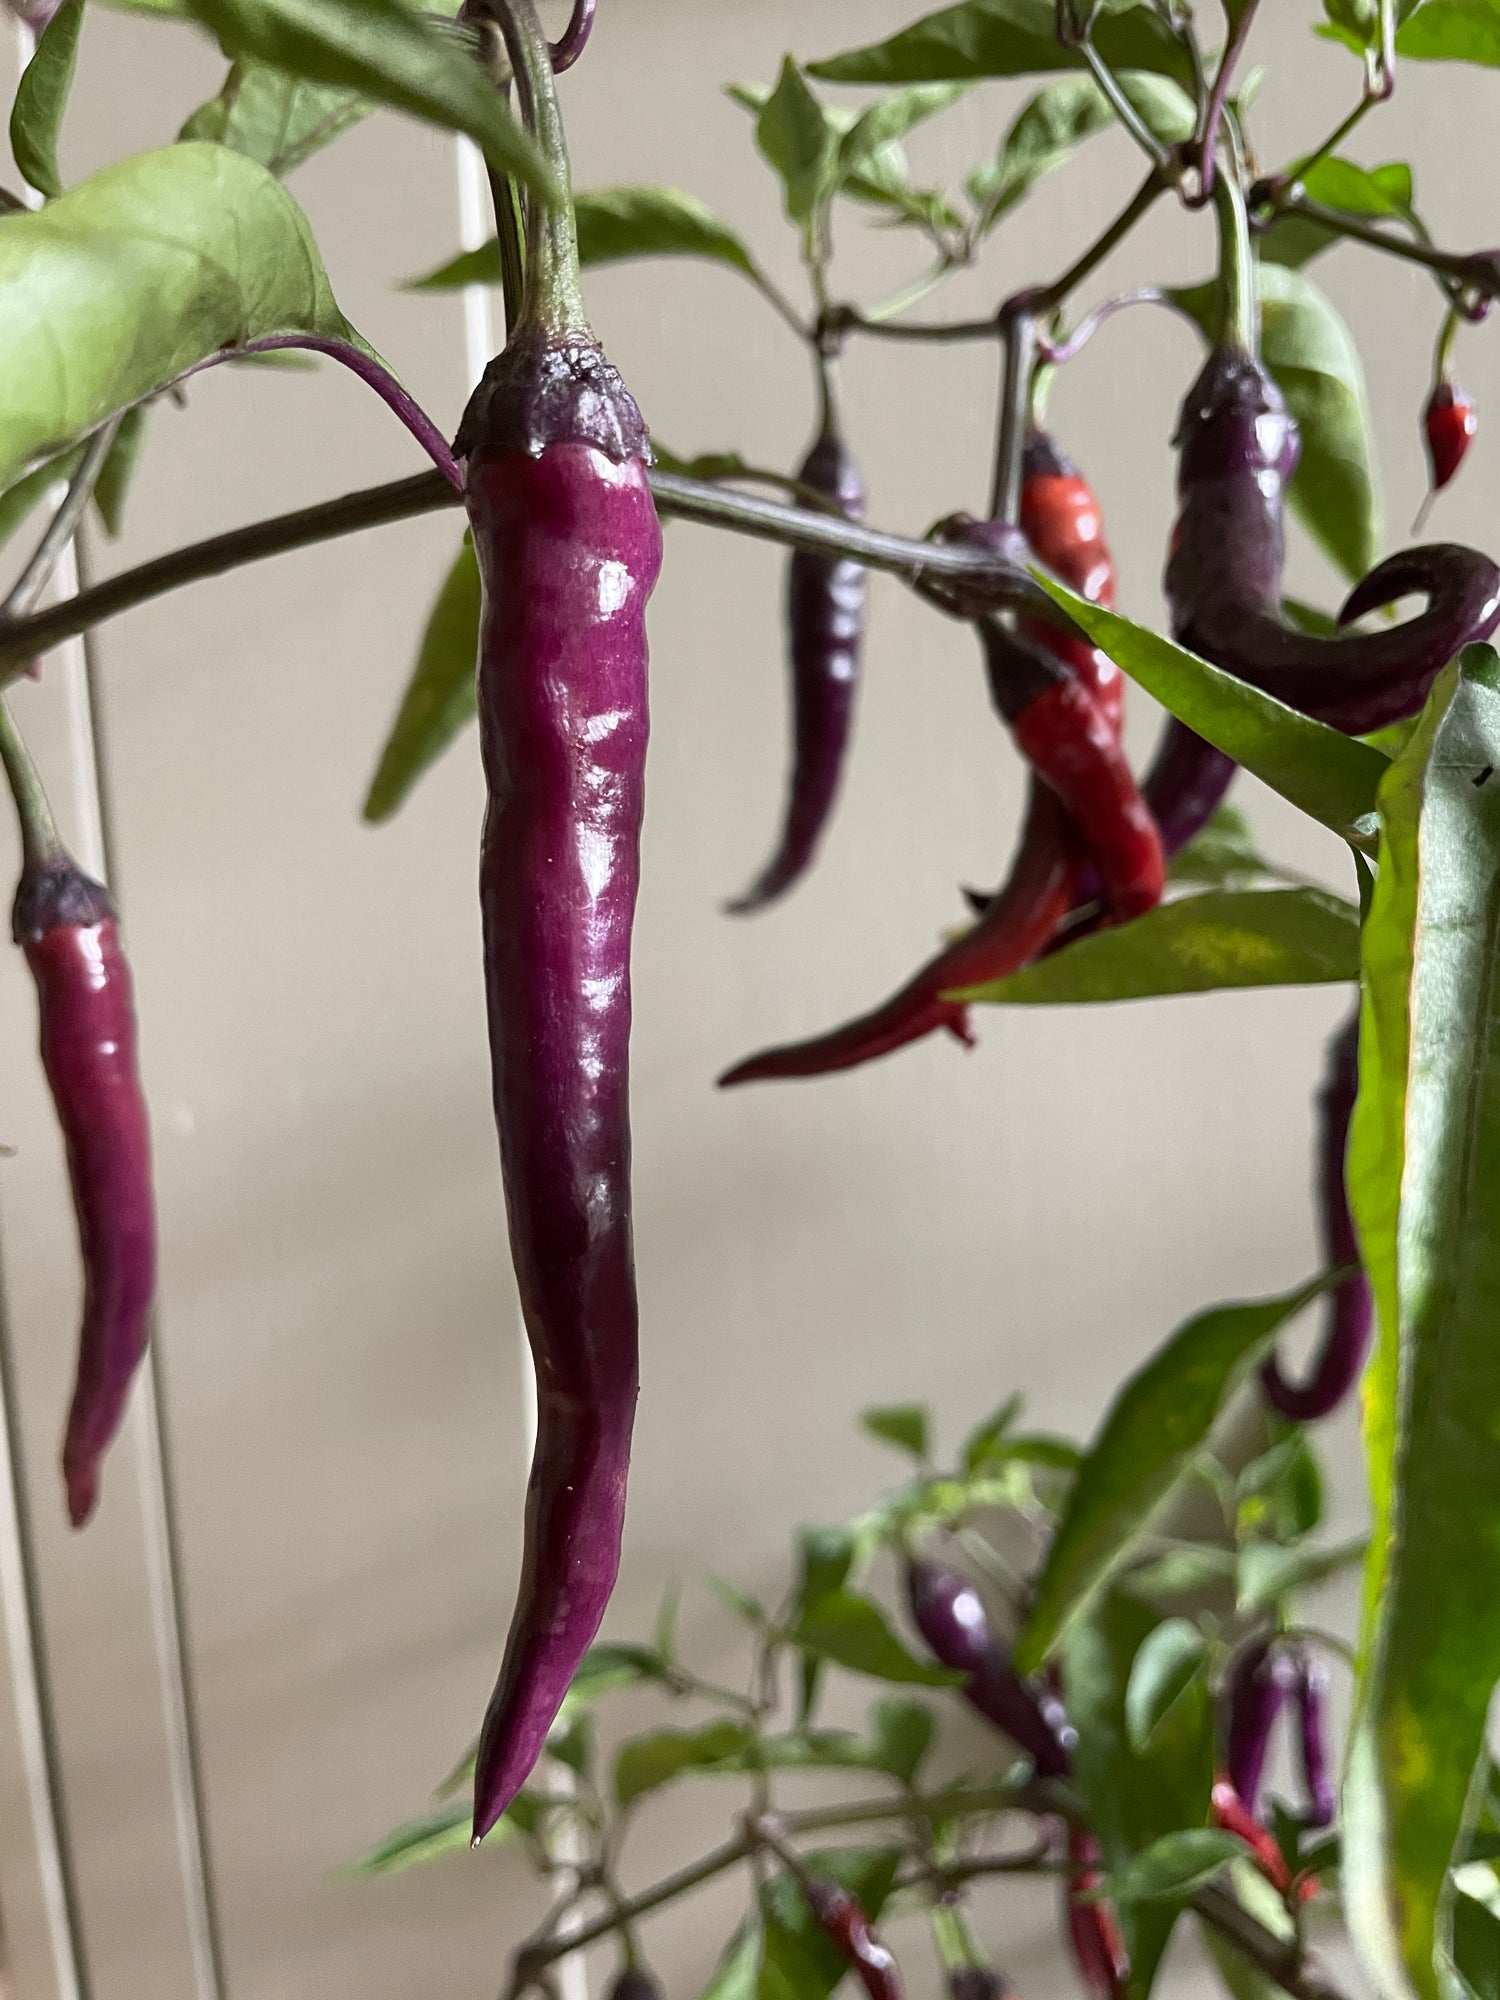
column 40, row 843
column 1239, row 306
column 551, row 300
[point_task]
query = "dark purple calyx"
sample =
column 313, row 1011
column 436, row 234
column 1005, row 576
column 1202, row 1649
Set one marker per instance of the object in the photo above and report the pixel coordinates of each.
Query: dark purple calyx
column 1350, row 1313
column 548, row 389
column 634, row 1983
column 55, row 894
column 1261, row 1678
column 1237, row 448
column 978, row 1982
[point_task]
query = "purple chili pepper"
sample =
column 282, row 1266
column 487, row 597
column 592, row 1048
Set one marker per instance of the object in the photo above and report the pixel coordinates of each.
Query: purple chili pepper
column 825, row 616
column 1261, row 1678
column 1237, row 448
column 1351, row 1307
column 569, row 547
column 950, row 1615
column 1312, row 1698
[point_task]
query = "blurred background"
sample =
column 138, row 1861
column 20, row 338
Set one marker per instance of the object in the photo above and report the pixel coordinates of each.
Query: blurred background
column 344, row 1375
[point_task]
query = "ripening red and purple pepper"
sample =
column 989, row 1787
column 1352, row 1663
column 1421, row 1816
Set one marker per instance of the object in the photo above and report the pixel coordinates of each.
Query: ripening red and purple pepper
column 843, row 1922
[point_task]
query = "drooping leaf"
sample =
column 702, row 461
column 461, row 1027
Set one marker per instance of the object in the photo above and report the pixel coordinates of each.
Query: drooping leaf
column 1155, row 1427
column 982, row 38
column 848, row 1630
column 1169, row 1661
column 646, row 1763
column 1171, row 1868
column 1329, row 776
column 278, row 119
column 386, row 52
column 118, row 470
column 436, row 1834
column 1050, row 129
column 801, row 144
column 440, row 698
column 1225, row 938
column 905, row 1426
column 1431, row 1652
column 139, row 273
column 42, row 97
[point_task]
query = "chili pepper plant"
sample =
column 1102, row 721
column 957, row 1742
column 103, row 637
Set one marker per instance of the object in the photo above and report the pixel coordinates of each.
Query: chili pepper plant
column 1120, row 1614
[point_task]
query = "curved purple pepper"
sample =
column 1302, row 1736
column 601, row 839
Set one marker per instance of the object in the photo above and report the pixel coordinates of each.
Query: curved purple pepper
column 1237, row 447
column 950, row 1615
column 1312, row 1700
column 569, row 547
column 825, row 616
column 1261, row 1679
column 1351, row 1307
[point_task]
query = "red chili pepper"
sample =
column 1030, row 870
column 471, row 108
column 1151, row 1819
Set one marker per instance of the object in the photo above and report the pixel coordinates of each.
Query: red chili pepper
column 1060, row 518
column 1231, row 1813
column 1449, row 423
column 1093, row 1930
column 569, row 547
column 841, row 1919
column 825, row 616
column 64, row 922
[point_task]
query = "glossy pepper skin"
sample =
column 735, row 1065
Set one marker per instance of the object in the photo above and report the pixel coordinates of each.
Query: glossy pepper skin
column 845, row 1924
column 1350, row 1312
column 1237, row 447
column 1261, row 1680
column 825, row 622
column 949, row 1613
column 1061, row 521
column 1449, row 424
column 1312, row 1704
column 65, row 924
column 1093, row 1932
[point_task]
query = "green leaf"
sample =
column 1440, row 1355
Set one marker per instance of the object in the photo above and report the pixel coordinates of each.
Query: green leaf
column 440, row 699
column 1156, row 1426
column 901, row 1734
column 1432, row 1644
column 1169, row 1661
column 142, row 271
column 1329, row 776
column 1476, row 1943
column 737, row 1975
column 42, row 97
column 647, row 1763
column 905, row 1426
column 881, row 124
column 1268, row 1572
column 1280, row 1493
column 798, row 1961
column 1200, row 944
column 847, row 1629
column 800, row 142
column 1186, row 1571
column 1311, row 354
column 1058, row 120
column 436, row 1834
column 1174, row 1866
column 278, row 119
column 979, row 1446
column 1223, row 852
column 19, row 501
column 1343, row 184
column 386, row 52
column 1004, row 38
column 118, row 470
column 1452, row 31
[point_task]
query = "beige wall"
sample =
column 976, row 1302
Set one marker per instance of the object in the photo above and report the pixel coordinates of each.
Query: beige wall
column 345, row 1385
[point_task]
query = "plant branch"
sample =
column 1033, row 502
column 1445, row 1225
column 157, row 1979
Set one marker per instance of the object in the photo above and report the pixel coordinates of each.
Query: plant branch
column 1080, row 36
column 1476, row 272
column 1208, row 136
column 1050, row 297
column 848, row 319
column 1280, row 1959
column 37, row 574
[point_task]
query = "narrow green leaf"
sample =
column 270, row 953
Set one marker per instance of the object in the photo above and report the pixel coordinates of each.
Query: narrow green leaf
column 1329, row 776
column 1186, row 1571
column 1171, row 1868
column 118, row 470
column 848, row 1630
column 386, row 52
column 905, row 1426
column 1050, row 129
column 18, row 502
column 1268, row 1572
column 440, row 699
column 1157, row 1424
column 1004, row 38
column 278, row 119
column 647, row 1763
column 1222, row 853
column 1167, row 1664
column 901, row 1734
column 139, row 273
column 1225, row 938
column 42, row 98
column 1432, row 1644
column 436, row 1834
column 979, row 1446
column 737, row 1975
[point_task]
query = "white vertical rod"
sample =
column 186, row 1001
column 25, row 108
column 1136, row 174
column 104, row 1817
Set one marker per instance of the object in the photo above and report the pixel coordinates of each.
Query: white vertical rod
column 474, row 232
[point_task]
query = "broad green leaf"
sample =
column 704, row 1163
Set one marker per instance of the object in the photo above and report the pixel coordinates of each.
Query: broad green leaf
column 1199, row 944
column 1311, row 354
column 1004, row 38
column 440, row 699
column 1433, row 1650
column 615, row 224
column 800, row 142
column 1171, row 1868
column 1452, row 31
column 436, row 1834
column 136, row 275
column 1222, row 853
column 278, row 119
column 1329, row 776
column 1380, row 191
column 901, row 1734
column 1280, row 1494
column 388, row 53
column 881, row 124
column 1476, row 1944
column 1157, row 1424
column 1056, row 122
column 647, row 1763
column 42, row 97
column 118, row 470
column 1295, row 241
column 1133, row 1796
column 905, row 1426
column 1268, row 1572
column 737, row 1975
column 848, row 1630
column 1168, row 1662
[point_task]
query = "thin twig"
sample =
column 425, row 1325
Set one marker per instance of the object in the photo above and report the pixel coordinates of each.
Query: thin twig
column 1281, row 1959
column 37, row 574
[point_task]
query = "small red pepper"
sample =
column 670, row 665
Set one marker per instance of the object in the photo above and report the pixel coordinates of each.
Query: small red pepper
column 1093, row 1929
column 1449, row 424
column 845, row 1924
column 1231, row 1813
column 1060, row 518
